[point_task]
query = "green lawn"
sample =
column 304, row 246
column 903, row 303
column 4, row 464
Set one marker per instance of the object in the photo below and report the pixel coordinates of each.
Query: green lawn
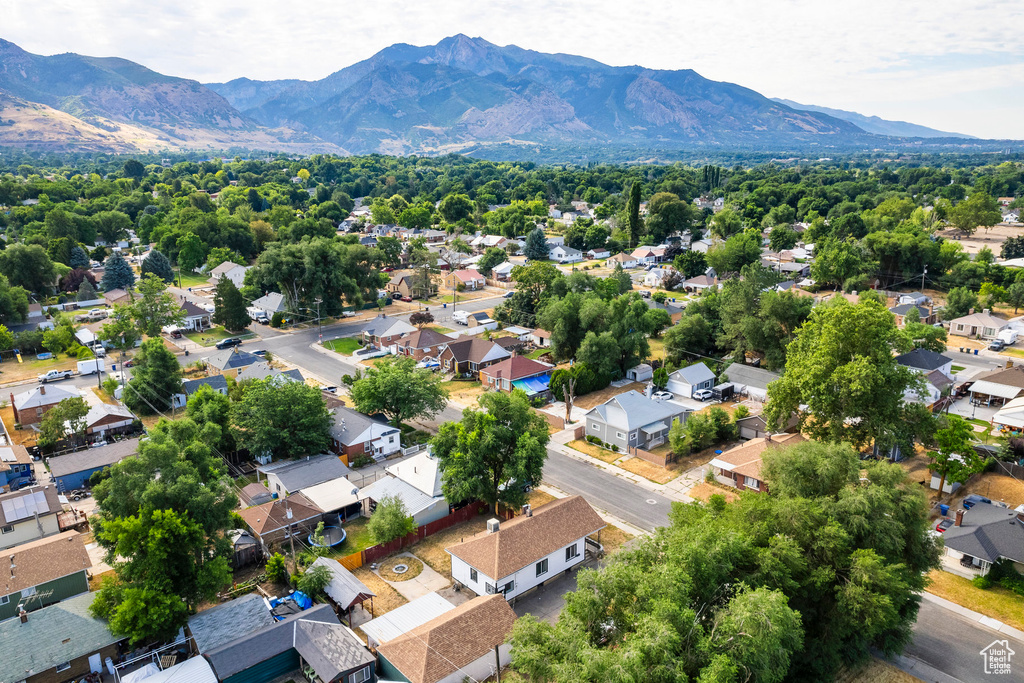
column 215, row 334
column 345, row 345
column 440, row 330
column 357, row 538
column 194, row 280
column 957, row 368
column 534, row 355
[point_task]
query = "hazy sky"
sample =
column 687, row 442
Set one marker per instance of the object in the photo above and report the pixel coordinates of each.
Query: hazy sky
column 953, row 65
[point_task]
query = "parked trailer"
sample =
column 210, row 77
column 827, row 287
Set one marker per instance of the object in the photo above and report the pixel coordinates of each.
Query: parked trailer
column 91, row 366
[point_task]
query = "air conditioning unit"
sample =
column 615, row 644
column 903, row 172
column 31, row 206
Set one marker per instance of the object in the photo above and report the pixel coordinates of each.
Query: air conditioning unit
column 492, row 525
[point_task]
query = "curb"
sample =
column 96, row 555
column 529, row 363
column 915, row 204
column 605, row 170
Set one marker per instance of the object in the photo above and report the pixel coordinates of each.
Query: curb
column 918, row 669
column 631, row 529
column 646, row 484
column 987, row 622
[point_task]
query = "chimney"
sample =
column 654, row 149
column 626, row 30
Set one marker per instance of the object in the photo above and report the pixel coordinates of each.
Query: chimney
column 970, row 311
column 42, row 389
column 23, row 614
column 493, row 525
column 527, row 510
column 768, row 437
column 986, row 311
column 959, row 520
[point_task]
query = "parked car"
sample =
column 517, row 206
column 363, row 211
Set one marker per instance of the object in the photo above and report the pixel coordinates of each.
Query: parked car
column 78, row 494
column 407, row 299
column 973, row 499
column 229, row 343
column 662, row 395
column 348, row 314
column 176, row 334
column 943, row 524
column 54, row 375
column 996, row 345
column 509, row 294
column 429, row 364
column 702, row 394
column 130, row 363
column 259, row 352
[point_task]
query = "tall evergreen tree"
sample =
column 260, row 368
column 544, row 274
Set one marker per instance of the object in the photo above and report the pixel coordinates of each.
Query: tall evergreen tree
column 86, row 291
column 159, row 265
column 229, row 307
column 79, row 259
column 536, row 248
column 156, row 379
column 633, row 213
column 117, row 274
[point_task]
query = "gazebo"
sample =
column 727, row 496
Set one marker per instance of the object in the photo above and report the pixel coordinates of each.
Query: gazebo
column 344, row 591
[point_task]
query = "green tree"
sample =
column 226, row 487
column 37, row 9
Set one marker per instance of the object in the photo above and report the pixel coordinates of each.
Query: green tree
column 1015, row 295
column 314, row 580
column 955, row 459
column 634, row 227
column 28, row 266
column 398, row 389
column 492, row 257
column 660, row 378
column 86, row 291
column 926, row 336
column 6, row 338
column 191, row 251
column 159, row 265
column 782, row 238
column 842, row 366
column 117, row 274
column 390, row 520
column 277, row 570
column 691, row 263
column 978, row 210
column 736, row 252
column 162, row 517
column 208, row 406
column 79, row 259
column 65, row 419
column 836, row 262
column 120, row 331
column 112, row 226
column 154, row 308
column 281, row 418
column 959, row 303
column 13, row 302
column 536, row 247
column 389, row 251
column 156, row 379
column 229, row 307
column 455, row 208
column 493, row 455
column 725, row 224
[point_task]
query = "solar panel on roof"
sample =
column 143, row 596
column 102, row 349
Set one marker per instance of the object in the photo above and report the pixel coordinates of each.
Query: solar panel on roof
column 25, row 506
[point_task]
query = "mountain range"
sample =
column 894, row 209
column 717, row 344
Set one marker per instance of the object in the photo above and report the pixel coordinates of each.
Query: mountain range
column 462, row 94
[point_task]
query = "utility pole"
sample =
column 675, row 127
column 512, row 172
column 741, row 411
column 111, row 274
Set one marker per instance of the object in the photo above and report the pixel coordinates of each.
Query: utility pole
column 319, row 328
column 922, row 278
column 291, row 537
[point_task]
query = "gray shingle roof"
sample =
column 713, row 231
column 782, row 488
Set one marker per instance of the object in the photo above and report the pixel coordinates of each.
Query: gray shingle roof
column 903, row 309
column 229, row 621
column 92, row 458
column 750, row 376
column 923, row 359
column 52, row 635
column 415, row 500
column 257, row 647
column 43, row 395
column 988, row 532
column 229, row 359
column 272, row 302
column 299, row 474
column 344, row 588
column 694, row 374
column 215, row 382
column 632, row 409
column 331, row 649
column 383, row 326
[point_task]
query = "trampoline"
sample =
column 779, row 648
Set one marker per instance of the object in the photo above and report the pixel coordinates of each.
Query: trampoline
column 333, row 535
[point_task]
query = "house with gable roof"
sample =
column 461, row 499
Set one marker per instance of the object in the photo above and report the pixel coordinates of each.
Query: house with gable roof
column 632, row 420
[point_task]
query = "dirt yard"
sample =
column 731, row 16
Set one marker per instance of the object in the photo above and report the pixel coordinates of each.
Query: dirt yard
column 703, row 492
column 387, row 597
column 595, row 451
column 992, row 238
column 650, row 471
column 23, row 437
column 998, row 487
column 596, row 398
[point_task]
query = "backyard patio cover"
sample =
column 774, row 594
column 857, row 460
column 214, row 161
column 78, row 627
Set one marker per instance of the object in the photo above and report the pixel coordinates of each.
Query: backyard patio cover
column 533, row 385
column 993, row 389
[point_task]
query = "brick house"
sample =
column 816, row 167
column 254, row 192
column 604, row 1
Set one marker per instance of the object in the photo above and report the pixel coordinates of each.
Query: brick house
column 383, row 331
column 30, row 406
column 422, row 344
column 468, row 277
column 517, row 372
column 354, row 433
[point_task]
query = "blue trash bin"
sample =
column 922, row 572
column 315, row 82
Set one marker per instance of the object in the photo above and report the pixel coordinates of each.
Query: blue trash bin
column 975, row 352
column 944, row 509
column 445, row 305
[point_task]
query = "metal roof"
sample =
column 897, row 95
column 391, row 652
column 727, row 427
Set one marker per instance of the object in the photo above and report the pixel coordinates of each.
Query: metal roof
column 344, row 588
column 92, row 458
column 403, row 619
column 993, row 389
column 332, row 495
column 415, row 500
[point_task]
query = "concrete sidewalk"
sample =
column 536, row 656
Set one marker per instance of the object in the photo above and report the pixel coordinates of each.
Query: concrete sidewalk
column 988, row 622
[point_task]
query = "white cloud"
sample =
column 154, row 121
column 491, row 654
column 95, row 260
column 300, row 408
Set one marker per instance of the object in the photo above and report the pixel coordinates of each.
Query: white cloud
column 898, row 58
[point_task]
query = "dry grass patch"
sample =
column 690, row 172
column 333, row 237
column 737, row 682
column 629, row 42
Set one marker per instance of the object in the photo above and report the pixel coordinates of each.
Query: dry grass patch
column 387, row 598
column 594, row 451
column 105, row 397
column 431, row 549
column 998, row 487
column 22, row 437
column 538, row 498
column 703, row 492
column 650, row 471
column 996, row 602
column 875, row 671
column 96, row 580
column 387, row 568
column 612, row 538
column 596, row 398
column 917, row 469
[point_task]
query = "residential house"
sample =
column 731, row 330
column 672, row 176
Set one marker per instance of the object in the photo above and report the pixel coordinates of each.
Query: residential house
column 402, row 286
column 701, row 246
column 513, row 345
column 983, row 325
column 1011, row 217
column 518, row 372
column 998, row 386
column 656, row 276
column 229, row 361
column 925, row 314
column 72, row 471
column 29, row 514
column 243, row 647
column 1011, row 415
column 644, row 255
column 434, row 236
column 255, row 494
column 540, row 338
column 916, row 298
column 43, row 572
column 231, row 271
column 485, row 242
column 598, row 253
column 354, row 434
column 555, row 241
column 422, row 471
column 269, row 522
column 982, row 536
column 383, row 331
column 218, row 383
column 267, row 305
column 469, row 278
column 345, row 591
column 195, row 318
column 503, row 271
column 401, row 620
column 422, row 507
column 755, row 426
column 471, row 355
column 468, row 642
column 625, row 260
column 1005, row 201
column 685, row 381
column 700, row 283
column 423, row 343
column 740, row 466
column 632, row 420
column 481, row 319
column 62, row 642
column 286, row 477
column 751, row 381
column 564, row 254
column 925, row 361
column 31, row 405
column 115, row 297
column 513, row 557
column 15, row 467
column 264, row 370
column 105, row 419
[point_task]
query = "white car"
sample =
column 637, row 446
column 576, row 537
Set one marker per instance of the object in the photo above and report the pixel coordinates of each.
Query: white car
column 702, row 394
column 662, row 396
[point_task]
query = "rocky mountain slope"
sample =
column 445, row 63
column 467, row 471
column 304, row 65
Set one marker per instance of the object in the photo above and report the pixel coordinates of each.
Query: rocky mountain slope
column 875, row 124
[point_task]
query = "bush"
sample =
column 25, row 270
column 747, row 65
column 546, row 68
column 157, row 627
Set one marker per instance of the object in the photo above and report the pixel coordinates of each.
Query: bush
column 615, row 448
column 313, row 581
column 83, row 352
column 362, row 460
column 277, row 319
column 740, row 412
column 390, row 520
column 982, row 582
column 276, row 569
column 709, row 476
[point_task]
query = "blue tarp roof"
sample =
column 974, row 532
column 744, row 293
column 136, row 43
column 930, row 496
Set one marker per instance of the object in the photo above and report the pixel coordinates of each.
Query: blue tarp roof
column 533, row 385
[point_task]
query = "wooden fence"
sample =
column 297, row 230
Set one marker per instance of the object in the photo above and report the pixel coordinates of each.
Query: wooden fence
column 659, row 460
column 556, row 421
column 1012, row 469
column 377, row 552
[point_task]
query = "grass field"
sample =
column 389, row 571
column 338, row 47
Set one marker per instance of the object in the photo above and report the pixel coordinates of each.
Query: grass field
column 534, row 355
column 344, row 345
column 357, row 538
column 213, row 335
column 13, row 371
column 996, row 602
column 194, row 280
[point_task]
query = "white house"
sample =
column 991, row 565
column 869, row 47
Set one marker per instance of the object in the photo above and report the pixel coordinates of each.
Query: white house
column 645, row 255
column 685, row 381
column 422, row 471
column 598, row 253
column 422, row 507
column 268, row 305
column 564, row 254
column 515, row 556
column 231, row 271
column 655, row 276
column 353, row 433
column 625, row 260
column 503, row 271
